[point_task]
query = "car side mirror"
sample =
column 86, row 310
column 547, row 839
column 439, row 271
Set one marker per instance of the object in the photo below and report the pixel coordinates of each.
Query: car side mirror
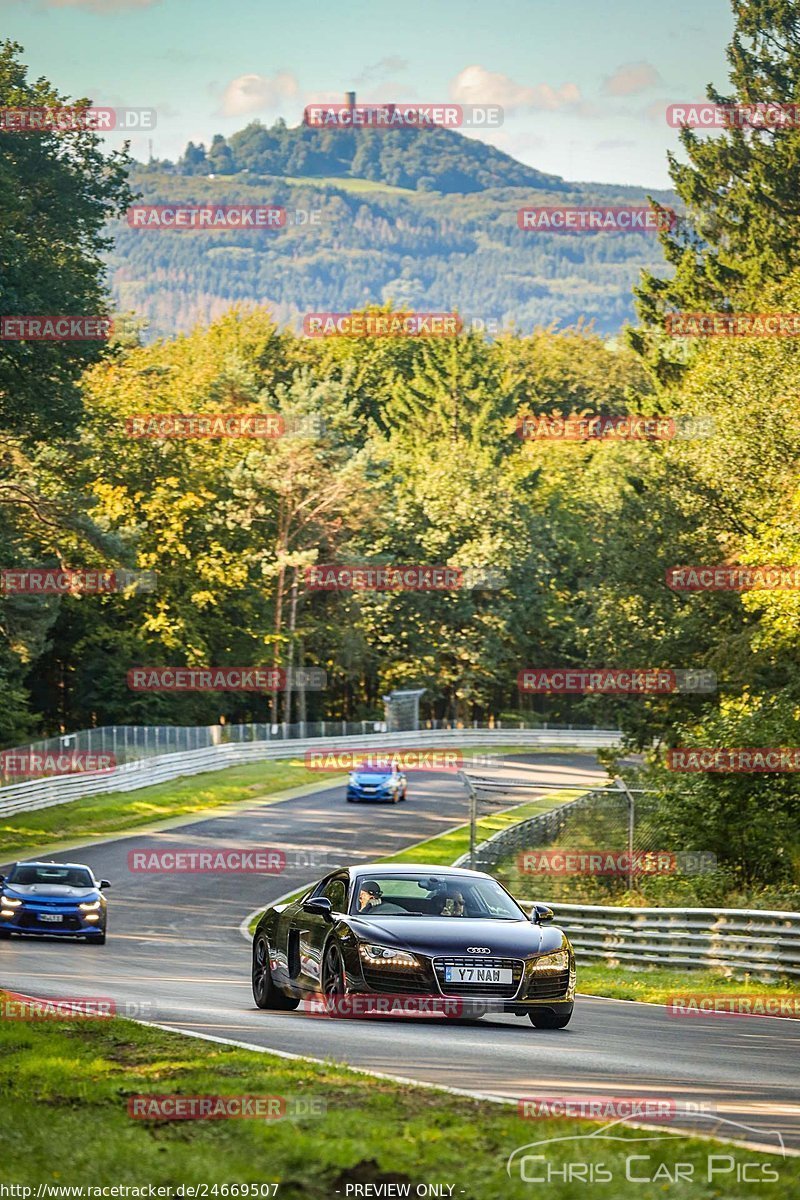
column 104, row 883
column 541, row 914
column 319, row 906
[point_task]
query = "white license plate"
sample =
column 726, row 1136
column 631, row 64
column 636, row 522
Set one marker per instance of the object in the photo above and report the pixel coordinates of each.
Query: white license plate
column 51, row 917
column 478, row 975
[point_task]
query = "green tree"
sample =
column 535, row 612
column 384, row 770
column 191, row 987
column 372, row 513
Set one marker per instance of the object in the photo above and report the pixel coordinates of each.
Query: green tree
column 741, row 188
column 59, row 190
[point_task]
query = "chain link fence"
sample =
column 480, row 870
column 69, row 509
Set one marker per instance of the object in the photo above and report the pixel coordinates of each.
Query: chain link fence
column 597, row 848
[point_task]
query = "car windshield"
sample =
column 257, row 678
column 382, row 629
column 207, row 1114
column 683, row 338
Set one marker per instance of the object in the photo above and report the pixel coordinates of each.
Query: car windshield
column 25, row 875
column 418, row 895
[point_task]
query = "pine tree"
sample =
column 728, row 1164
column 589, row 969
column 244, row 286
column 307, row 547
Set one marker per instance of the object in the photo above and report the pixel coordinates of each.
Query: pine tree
column 740, row 187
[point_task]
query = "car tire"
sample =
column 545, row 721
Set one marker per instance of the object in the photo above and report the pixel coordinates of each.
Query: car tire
column 265, row 994
column 405, row 793
column 333, row 973
column 5, row 933
column 546, row 1019
column 97, row 939
column 352, row 800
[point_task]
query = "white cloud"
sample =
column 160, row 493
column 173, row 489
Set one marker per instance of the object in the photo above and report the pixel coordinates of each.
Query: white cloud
column 253, row 93
column 631, row 78
column 476, row 85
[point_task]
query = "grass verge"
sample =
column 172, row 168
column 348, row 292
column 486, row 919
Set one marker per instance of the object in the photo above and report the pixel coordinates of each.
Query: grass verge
column 73, row 1083
column 658, row 985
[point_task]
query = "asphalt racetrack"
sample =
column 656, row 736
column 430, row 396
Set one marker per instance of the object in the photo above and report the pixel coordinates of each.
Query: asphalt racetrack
column 176, row 956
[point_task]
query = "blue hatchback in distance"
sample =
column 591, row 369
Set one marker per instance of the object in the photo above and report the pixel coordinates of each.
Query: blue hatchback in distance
column 50, row 898
column 368, row 782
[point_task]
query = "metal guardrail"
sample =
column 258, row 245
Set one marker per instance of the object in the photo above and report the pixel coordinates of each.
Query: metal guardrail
column 43, row 793
column 125, row 743
column 759, row 941
column 730, row 939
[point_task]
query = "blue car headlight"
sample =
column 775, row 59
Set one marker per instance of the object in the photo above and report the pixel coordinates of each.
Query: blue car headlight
column 89, row 906
column 11, row 902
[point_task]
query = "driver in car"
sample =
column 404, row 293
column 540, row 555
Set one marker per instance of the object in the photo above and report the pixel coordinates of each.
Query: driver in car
column 370, row 899
column 369, row 895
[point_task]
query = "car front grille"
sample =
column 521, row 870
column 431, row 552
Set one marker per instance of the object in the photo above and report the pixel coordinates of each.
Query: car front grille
column 550, row 985
column 502, row 990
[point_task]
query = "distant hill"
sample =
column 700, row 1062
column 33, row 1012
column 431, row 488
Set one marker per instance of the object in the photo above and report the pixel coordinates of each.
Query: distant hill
column 425, row 160
column 425, row 218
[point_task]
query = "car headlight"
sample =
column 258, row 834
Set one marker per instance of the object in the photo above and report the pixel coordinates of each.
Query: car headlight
column 11, row 902
column 351, row 779
column 90, row 905
column 552, row 962
column 383, row 955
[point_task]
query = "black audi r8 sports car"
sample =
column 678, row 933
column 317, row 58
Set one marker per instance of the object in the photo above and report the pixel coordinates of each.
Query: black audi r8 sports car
column 403, row 930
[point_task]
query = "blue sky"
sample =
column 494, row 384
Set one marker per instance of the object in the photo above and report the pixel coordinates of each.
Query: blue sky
column 584, row 84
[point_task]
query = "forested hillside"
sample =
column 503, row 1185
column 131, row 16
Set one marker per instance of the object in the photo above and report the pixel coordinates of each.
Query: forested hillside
column 383, row 237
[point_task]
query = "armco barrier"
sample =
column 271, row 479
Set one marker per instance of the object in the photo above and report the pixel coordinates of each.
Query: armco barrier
column 728, row 939
column 731, row 939
column 42, row 793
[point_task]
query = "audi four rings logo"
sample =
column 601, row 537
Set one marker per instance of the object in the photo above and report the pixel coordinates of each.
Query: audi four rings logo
column 478, row 950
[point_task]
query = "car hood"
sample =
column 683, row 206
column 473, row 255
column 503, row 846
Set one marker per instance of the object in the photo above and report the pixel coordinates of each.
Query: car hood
column 370, row 778
column 50, row 891
column 454, row 935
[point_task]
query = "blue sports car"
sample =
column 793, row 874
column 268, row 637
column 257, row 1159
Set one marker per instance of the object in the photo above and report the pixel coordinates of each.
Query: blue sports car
column 53, row 898
column 368, row 782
